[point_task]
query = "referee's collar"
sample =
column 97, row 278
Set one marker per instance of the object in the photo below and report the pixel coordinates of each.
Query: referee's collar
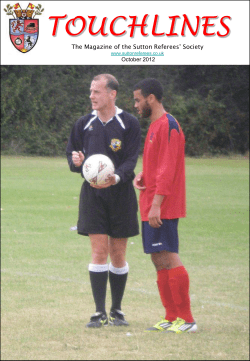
column 118, row 111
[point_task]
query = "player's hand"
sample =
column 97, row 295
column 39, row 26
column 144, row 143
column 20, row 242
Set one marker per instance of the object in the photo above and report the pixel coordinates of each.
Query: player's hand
column 111, row 181
column 77, row 158
column 138, row 181
column 154, row 216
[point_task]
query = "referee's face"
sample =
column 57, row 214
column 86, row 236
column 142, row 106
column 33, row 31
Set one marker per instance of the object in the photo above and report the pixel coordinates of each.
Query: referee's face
column 101, row 97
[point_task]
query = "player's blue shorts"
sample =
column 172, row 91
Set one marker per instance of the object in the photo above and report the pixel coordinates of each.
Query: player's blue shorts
column 163, row 238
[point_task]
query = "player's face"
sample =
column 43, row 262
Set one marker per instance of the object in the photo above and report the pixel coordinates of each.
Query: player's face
column 100, row 96
column 141, row 104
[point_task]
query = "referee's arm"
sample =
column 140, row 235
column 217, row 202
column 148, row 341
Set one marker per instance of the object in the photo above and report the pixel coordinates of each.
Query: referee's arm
column 75, row 144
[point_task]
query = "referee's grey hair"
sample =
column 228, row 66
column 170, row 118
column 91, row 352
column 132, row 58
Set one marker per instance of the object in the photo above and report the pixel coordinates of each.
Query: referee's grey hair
column 112, row 82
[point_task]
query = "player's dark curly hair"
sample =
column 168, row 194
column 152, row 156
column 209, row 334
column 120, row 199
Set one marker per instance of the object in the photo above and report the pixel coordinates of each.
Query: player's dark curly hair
column 150, row 86
column 112, row 82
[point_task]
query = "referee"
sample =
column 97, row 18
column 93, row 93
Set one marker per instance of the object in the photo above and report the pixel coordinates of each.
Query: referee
column 107, row 213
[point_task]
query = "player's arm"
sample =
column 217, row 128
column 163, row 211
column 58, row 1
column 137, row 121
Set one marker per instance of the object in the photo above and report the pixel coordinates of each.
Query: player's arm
column 167, row 159
column 154, row 216
column 138, row 181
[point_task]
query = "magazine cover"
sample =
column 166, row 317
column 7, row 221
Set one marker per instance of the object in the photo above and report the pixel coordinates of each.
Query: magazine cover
column 124, row 180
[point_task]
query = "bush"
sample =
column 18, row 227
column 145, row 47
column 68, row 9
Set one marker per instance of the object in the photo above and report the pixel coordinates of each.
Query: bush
column 41, row 103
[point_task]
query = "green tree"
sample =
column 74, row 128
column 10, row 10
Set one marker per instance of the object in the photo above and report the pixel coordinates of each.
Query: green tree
column 39, row 104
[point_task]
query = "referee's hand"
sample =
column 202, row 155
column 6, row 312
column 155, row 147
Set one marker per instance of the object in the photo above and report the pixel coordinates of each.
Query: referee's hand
column 77, row 158
column 111, row 182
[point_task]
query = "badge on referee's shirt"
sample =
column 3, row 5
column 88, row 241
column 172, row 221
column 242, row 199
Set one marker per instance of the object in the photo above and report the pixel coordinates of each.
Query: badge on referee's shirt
column 115, row 145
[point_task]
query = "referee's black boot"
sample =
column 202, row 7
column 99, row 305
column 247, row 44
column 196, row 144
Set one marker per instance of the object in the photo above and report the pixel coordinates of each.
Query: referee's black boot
column 116, row 318
column 97, row 320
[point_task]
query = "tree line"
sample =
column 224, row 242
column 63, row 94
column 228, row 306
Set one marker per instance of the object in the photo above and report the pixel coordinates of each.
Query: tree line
column 39, row 104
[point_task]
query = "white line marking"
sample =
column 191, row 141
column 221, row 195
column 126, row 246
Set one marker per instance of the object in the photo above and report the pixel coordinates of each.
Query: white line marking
column 140, row 290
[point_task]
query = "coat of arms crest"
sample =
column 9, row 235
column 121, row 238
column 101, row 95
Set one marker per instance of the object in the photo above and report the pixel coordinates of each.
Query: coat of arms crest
column 23, row 28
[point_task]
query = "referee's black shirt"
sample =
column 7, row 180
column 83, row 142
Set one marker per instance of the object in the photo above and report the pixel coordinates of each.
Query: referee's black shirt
column 119, row 139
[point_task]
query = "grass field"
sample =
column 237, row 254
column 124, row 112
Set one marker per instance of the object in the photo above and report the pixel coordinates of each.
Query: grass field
column 46, row 296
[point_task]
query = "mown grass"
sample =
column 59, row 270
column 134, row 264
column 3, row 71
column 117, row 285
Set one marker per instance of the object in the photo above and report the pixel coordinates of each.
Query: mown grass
column 46, row 296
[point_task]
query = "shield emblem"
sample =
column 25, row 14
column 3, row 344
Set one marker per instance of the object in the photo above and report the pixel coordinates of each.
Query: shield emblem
column 24, row 33
column 115, row 145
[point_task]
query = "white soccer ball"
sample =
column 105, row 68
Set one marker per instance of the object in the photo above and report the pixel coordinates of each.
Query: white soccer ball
column 97, row 169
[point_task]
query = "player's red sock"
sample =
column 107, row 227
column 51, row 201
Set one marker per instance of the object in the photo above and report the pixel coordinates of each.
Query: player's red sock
column 166, row 296
column 179, row 284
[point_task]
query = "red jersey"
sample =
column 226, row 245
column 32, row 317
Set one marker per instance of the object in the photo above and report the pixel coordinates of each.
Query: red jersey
column 164, row 168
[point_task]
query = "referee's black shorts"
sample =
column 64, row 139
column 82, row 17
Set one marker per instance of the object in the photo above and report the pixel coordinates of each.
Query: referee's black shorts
column 111, row 211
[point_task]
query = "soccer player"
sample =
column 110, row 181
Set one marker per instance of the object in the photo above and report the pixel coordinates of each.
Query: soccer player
column 107, row 213
column 162, row 203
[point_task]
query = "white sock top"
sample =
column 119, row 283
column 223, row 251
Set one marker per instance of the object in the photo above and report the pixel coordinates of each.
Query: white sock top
column 98, row 267
column 119, row 271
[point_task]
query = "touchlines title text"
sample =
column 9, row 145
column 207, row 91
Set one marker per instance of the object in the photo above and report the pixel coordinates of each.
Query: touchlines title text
column 165, row 26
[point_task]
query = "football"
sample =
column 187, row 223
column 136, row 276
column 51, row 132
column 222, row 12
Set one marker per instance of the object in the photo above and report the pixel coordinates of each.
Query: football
column 97, row 169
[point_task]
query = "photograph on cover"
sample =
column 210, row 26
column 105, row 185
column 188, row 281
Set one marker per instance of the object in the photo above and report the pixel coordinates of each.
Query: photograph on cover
column 53, row 279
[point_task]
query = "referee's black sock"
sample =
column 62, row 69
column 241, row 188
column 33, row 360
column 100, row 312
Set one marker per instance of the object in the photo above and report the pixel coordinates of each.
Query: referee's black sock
column 117, row 279
column 98, row 279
